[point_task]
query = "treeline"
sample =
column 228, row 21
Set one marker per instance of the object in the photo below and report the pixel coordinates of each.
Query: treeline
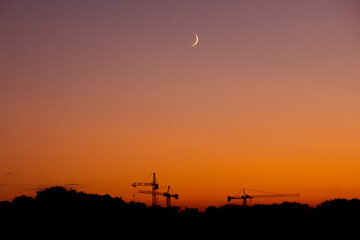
column 58, row 206
column 58, row 203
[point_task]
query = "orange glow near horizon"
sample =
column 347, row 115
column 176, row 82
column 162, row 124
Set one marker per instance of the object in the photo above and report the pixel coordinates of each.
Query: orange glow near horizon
column 100, row 97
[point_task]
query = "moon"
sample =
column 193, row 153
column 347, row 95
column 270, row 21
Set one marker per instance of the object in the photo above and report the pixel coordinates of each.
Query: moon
column 196, row 41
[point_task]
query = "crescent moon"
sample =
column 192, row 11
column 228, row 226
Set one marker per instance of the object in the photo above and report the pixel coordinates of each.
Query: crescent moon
column 196, row 41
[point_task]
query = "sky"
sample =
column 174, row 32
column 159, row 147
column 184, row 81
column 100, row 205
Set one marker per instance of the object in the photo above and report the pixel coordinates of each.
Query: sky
column 96, row 95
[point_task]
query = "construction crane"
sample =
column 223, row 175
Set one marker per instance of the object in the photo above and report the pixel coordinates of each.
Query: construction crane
column 244, row 197
column 152, row 184
column 167, row 194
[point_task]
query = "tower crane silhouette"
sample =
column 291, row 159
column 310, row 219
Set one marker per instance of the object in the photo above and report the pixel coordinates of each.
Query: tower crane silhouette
column 167, row 194
column 244, row 197
column 152, row 184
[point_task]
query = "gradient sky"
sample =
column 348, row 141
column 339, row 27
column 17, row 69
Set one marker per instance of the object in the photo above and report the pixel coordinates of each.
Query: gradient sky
column 96, row 95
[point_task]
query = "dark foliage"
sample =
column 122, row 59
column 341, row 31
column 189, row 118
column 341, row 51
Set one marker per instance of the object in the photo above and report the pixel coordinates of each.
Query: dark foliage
column 61, row 209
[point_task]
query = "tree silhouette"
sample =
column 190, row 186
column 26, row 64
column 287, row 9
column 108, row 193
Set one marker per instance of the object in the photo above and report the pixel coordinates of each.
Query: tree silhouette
column 59, row 207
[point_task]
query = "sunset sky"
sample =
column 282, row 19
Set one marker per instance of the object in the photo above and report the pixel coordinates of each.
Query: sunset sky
column 96, row 95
